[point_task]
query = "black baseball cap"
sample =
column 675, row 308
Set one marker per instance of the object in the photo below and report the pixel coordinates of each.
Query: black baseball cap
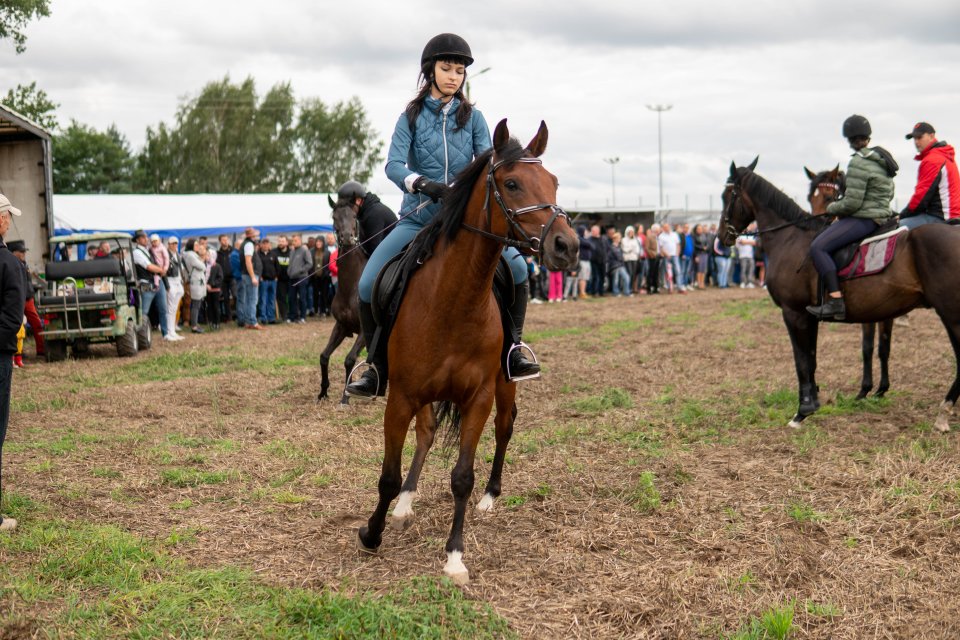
column 919, row 129
column 16, row 245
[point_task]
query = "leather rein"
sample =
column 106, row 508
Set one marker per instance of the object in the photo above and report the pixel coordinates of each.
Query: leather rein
column 533, row 244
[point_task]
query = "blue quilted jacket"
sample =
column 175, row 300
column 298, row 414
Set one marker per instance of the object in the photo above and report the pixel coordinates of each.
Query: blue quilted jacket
column 439, row 151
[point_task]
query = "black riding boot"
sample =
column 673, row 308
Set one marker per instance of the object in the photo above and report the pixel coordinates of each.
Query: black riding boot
column 832, row 308
column 518, row 366
column 366, row 385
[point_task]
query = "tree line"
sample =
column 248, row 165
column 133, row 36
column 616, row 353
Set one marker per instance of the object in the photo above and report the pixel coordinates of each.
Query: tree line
column 228, row 139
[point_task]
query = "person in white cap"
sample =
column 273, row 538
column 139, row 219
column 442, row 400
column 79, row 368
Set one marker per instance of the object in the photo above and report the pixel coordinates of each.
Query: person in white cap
column 174, row 282
column 11, row 318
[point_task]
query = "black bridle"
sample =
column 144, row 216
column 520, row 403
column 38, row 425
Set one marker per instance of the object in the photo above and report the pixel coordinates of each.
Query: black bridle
column 533, row 244
column 356, row 234
column 731, row 233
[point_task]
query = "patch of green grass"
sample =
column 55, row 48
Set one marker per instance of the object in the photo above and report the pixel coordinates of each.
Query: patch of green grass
column 844, row 404
column 288, row 497
column 182, row 505
column 104, row 472
column 822, row 609
column 285, row 449
column 747, row 309
column 30, row 405
column 644, row 496
column 773, row 624
column 908, row 487
column 178, row 536
column 512, row 502
column 684, row 319
column 41, row 467
column 808, row 438
column 743, row 583
column 191, row 442
column 643, row 438
column 851, row 543
column 803, row 512
column 559, row 332
column 194, row 477
column 612, row 398
column 285, row 387
column 322, row 480
column 100, row 582
column 287, row 476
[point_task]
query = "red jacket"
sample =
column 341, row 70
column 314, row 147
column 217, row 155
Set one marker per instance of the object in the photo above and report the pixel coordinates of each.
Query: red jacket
column 938, row 184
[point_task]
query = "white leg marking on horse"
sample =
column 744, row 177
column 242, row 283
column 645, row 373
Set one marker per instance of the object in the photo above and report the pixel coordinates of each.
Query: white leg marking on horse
column 946, row 410
column 403, row 512
column 455, row 569
column 486, row 504
column 793, row 424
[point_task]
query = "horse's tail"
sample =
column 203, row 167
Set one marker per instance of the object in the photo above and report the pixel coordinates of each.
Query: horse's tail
column 448, row 417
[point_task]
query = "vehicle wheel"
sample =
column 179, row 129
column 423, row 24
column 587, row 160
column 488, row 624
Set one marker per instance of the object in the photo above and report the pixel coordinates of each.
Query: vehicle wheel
column 127, row 343
column 81, row 347
column 56, row 350
column 144, row 336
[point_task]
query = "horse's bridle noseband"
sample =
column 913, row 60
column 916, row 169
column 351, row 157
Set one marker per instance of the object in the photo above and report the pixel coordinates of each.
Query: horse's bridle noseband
column 533, row 244
column 730, row 233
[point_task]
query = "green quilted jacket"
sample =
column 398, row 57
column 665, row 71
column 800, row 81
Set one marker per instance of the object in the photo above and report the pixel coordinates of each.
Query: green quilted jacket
column 869, row 188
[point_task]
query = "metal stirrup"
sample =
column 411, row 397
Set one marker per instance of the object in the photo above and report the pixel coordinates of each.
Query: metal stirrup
column 522, row 346
column 363, row 364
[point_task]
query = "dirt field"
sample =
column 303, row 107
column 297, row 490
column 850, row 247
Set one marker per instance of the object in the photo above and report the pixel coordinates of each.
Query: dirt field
column 653, row 489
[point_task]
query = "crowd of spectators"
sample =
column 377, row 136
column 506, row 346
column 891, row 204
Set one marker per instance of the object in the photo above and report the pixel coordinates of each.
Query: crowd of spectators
column 661, row 259
column 248, row 281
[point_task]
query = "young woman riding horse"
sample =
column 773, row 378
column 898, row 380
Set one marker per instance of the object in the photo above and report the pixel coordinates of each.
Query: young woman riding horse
column 865, row 206
column 447, row 337
column 924, row 272
column 827, row 187
column 438, row 135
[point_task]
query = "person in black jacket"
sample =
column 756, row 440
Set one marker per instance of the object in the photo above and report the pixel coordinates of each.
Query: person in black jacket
column 375, row 218
column 267, row 304
column 214, row 288
column 11, row 317
column 223, row 259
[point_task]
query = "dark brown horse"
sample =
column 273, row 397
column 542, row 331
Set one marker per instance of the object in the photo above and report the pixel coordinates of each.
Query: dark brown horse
column 346, row 313
column 446, row 341
column 827, row 187
column 924, row 272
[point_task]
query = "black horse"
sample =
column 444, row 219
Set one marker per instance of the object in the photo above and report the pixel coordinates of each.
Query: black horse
column 827, row 187
column 924, row 272
column 345, row 306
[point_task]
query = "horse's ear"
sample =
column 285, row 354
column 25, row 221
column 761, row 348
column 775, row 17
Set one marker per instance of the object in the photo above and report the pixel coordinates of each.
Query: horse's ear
column 733, row 170
column 810, row 174
column 333, row 205
column 837, row 168
column 539, row 143
column 501, row 135
column 753, row 165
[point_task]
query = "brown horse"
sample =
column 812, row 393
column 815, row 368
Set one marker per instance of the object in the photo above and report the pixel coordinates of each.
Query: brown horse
column 346, row 313
column 446, row 341
column 827, row 187
column 924, row 272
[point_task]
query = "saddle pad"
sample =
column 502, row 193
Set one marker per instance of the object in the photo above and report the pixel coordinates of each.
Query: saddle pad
column 872, row 255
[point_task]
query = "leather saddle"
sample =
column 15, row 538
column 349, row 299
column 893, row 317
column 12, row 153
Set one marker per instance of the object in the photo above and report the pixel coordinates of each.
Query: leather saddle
column 843, row 256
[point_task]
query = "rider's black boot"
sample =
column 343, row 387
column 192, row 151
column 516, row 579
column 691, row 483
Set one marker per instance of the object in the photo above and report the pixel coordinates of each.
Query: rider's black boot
column 518, row 366
column 832, row 308
column 373, row 381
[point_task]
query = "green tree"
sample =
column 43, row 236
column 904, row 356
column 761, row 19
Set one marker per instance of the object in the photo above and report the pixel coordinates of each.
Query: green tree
column 33, row 103
column 14, row 15
column 224, row 141
column 91, row 161
column 335, row 145
column 228, row 140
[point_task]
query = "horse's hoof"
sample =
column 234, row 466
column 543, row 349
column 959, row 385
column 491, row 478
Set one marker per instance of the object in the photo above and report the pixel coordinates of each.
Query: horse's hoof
column 797, row 421
column 345, row 401
column 403, row 512
column 486, row 504
column 455, row 569
column 863, row 394
column 942, row 423
column 399, row 523
column 363, row 545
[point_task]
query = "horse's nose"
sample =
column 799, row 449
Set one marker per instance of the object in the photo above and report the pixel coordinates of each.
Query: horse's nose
column 567, row 249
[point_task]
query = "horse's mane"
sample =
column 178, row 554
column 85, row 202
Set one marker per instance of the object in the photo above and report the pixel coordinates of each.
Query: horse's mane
column 448, row 220
column 765, row 194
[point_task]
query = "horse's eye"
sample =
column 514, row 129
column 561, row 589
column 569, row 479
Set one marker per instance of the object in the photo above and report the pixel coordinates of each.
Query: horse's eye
column 511, row 185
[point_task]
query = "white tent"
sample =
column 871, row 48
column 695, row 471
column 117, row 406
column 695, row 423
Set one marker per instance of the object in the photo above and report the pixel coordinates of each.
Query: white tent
column 193, row 215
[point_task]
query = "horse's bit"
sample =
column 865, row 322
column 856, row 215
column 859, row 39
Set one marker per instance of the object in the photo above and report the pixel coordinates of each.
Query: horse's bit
column 511, row 215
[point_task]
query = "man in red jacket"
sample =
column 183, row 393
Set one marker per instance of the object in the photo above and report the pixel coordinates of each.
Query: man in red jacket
column 937, row 195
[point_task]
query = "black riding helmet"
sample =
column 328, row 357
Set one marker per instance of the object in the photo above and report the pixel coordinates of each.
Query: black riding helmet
column 856, row 127
column 351, row 189
column 446, row 46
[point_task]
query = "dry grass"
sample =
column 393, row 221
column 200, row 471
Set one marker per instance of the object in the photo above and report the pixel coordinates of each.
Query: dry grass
column 855, row 519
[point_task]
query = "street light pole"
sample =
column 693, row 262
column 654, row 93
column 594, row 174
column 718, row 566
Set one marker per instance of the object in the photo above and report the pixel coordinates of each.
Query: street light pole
column 478, row 73
column 660, row 108
column 613, row 178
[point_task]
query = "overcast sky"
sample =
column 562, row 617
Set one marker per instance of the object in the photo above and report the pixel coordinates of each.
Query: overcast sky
column 764, row 77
